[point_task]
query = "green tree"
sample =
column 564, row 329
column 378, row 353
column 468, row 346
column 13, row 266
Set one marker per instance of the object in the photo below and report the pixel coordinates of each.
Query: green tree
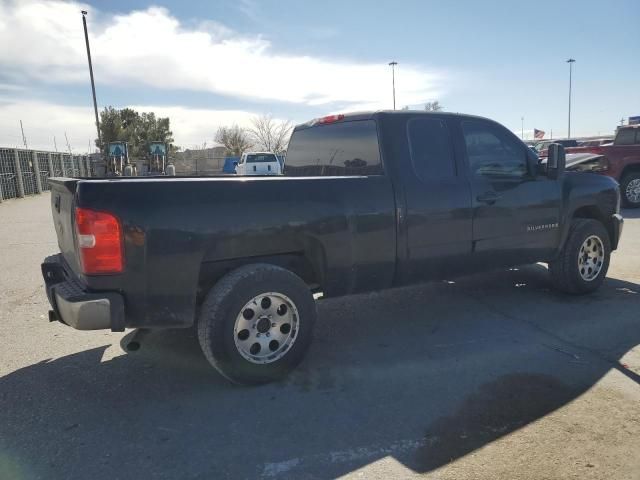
column 137, row 129
column 433, row 106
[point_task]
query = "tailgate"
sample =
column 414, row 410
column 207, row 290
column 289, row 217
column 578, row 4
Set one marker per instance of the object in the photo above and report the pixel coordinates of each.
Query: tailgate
column 62, row 209
column 261, row 168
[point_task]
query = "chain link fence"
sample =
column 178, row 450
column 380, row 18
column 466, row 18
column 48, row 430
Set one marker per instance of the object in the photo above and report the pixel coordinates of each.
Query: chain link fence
column 27, row 172
column 8, row 176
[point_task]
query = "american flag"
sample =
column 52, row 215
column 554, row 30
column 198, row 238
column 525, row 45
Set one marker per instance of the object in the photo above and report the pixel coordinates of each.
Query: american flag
column 538, row 134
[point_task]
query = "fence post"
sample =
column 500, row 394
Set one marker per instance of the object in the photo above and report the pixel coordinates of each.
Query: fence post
column 36, row 169
column 81, row 166
column 19, row 179
column 50, row 162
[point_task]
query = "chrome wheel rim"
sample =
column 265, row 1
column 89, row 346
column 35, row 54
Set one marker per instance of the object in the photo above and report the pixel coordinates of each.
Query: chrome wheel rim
column 591, row 258
column 266, row 328
column 633, row 190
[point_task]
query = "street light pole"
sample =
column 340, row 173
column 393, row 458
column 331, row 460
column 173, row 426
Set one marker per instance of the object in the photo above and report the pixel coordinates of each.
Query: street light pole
column 571, row 61
column 93, row 85
column 393, row 81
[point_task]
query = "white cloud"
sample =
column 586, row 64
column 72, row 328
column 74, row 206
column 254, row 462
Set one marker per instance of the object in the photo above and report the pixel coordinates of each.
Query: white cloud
column 151, row 47
column 42, row 121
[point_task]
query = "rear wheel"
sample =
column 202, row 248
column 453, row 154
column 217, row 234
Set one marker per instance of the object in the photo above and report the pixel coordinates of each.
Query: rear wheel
column 630, row 190
column 256, row 323
column 583, row 263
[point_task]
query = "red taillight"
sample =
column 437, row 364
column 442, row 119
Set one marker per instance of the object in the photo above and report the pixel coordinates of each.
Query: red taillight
column 99, row 237
column 329, row 119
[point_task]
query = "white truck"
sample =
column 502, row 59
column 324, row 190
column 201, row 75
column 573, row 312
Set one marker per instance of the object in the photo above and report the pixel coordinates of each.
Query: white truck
column 258, row 163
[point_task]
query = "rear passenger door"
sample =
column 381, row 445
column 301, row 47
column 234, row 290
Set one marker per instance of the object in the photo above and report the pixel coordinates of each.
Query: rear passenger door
column 437, row 217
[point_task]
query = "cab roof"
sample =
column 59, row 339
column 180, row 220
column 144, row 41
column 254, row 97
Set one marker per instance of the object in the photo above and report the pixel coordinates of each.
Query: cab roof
column 369, row 115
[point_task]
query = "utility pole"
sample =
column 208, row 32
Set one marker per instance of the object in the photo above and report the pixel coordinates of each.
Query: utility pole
column 24, row 139
column 522, row 129
column 55, row 145
column 93, row 85
column 393, row 81
column 571, row 61
column 622, row 122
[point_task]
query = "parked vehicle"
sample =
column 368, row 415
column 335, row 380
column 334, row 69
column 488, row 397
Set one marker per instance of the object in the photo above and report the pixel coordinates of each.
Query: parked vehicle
column 621, row 162
column 595, row 143
column 586, row 162
column 541, row 147
column 258, row 163
column 369, row 201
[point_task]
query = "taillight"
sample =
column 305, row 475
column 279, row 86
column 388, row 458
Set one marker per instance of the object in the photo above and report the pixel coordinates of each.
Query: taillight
column 329, row 119
column 99, row 237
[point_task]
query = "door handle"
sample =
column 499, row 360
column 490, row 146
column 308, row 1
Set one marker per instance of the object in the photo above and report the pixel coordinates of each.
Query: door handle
column 489, row 197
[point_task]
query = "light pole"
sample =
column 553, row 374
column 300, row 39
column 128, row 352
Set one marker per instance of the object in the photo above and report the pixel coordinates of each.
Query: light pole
column 393, row 81
column 93, row 86
column 571, row 61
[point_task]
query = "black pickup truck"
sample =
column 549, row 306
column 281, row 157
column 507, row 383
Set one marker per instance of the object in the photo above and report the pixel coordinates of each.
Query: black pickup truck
column 368, row 201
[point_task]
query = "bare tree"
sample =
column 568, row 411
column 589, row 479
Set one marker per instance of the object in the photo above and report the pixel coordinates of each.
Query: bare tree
column 270, row 135
column 433, row 106
column 234, row 139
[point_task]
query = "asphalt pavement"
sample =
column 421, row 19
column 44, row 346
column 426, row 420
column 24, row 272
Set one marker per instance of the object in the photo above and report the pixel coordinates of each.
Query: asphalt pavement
column 489, row 376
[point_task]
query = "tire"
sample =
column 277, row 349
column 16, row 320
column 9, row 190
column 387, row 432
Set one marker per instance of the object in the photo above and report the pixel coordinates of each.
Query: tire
column 228, row 334
column 567, row 274
column 630, row 190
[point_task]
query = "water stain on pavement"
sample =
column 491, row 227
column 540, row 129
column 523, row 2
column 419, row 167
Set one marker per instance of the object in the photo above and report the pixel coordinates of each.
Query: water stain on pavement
column 497, row 408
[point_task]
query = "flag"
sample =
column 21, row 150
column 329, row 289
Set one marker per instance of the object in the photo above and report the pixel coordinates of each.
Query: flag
column 538, row 134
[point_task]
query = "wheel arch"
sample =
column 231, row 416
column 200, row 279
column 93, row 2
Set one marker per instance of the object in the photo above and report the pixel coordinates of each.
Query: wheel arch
column 594, row 213
column 632, row 168
column 295, row 262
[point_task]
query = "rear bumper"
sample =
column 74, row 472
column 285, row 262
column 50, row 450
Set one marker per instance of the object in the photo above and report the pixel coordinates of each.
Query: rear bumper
column 617, row 223
column 73, row 305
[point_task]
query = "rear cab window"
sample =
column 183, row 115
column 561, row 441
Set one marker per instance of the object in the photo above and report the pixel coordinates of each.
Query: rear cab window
column 348, row 148
column 261, row 158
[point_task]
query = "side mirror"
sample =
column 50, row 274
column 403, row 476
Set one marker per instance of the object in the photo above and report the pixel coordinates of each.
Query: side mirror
column 556, row 161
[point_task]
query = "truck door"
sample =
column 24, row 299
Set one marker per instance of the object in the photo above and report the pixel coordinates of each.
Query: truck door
column 437, row 217
column 516, row 212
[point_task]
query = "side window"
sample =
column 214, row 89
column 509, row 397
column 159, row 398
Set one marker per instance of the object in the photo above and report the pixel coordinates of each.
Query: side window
column 492, row 152
column 430, row 148
column 625, row 136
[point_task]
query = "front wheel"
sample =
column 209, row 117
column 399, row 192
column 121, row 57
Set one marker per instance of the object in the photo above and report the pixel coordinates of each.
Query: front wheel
column 630, row 190
column 583, row 262
column 256, row 323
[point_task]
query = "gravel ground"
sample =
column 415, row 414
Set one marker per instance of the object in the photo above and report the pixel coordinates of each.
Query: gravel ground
column 490, row 376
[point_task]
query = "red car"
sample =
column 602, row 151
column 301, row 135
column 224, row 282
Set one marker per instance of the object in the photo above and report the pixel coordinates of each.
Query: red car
column 621, row 161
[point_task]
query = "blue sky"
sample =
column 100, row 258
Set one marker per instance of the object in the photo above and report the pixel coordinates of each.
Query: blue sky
column 207, row 63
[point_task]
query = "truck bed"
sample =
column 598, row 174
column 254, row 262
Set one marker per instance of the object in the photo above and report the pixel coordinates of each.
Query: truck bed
column 340, row 231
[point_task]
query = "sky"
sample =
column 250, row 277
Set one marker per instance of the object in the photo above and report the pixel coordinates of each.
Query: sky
column 207, row 63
